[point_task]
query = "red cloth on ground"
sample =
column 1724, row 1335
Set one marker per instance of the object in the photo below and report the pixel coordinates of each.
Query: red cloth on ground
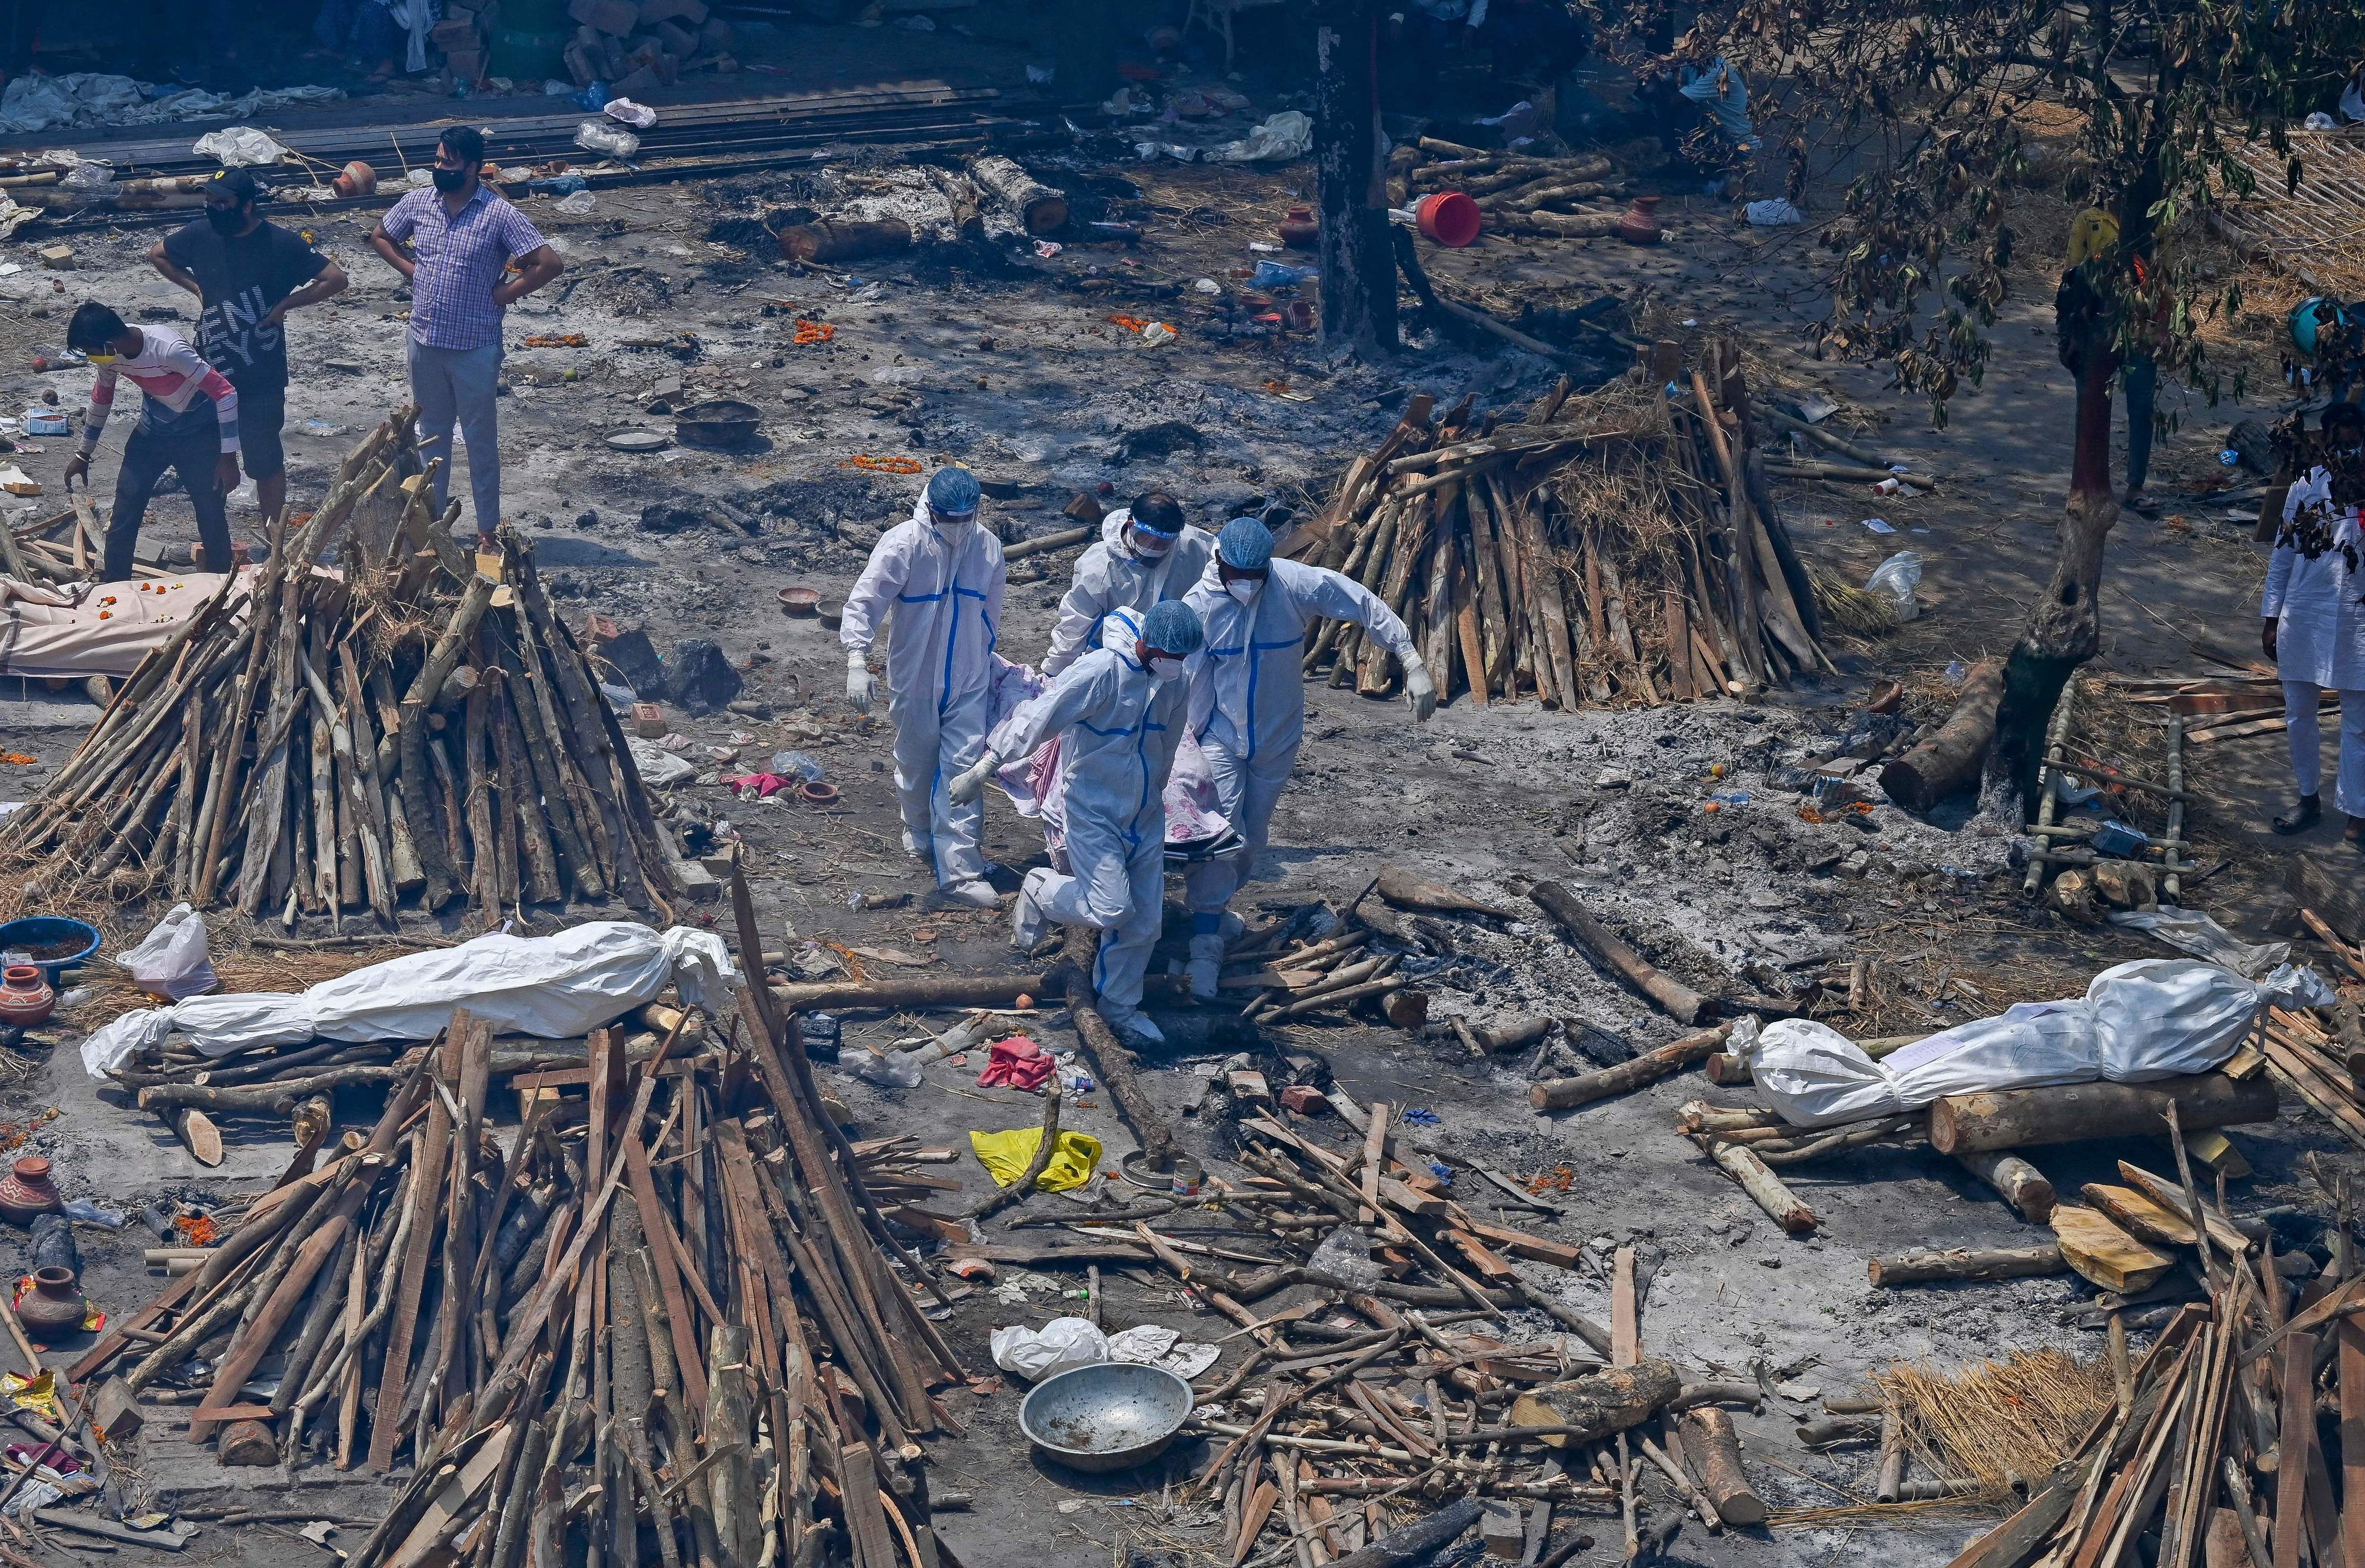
column 1016, row 1063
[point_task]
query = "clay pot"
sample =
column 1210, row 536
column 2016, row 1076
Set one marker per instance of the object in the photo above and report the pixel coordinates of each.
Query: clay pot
column 1639, row 224
column 357, row 180
column 53, row 1307
column 27, row 1191
column 1300, row 230
column 25, row 998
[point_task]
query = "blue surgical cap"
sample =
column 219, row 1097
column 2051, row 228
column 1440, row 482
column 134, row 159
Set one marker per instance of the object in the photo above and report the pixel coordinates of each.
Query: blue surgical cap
column 1245, row 543
column 1171, row 627
column 954, row 492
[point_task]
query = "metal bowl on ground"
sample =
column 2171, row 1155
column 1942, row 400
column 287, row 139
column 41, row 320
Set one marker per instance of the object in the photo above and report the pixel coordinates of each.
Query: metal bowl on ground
column 718, row 421
column 54, row 943
column 1110, row 1416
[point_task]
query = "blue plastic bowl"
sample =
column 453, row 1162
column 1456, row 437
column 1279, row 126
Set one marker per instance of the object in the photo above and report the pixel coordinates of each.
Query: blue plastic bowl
column 47, row 931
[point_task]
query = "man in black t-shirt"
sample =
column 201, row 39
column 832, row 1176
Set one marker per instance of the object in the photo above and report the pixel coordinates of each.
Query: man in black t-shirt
column 249, row 275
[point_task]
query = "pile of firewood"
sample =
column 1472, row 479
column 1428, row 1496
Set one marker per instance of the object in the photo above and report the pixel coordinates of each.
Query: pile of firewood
column 669, row 1305
column 1519, row 193
column 2214, row 1447
column 1616, row 547
column 409, row 728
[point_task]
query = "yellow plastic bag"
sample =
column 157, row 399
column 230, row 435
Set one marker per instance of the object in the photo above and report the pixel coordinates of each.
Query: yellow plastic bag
column 39, row 1394
column 1006, row 1156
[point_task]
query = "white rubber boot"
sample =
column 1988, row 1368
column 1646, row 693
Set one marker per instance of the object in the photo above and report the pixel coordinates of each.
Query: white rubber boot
column 1027, row 919
column 1135, row 1026
column 916, row 847
column 1232, row 928
column 978, row 894
column 1206, row 967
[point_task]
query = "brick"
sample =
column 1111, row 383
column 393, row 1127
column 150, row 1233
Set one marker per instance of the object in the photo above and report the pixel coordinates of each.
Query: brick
column 58, row 258
column 636, row 85
column 617, row 17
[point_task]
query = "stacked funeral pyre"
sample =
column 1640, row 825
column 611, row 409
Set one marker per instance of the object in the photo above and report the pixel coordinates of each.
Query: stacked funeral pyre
column 407, row 727
column 1616, row 547
column 662, row 1318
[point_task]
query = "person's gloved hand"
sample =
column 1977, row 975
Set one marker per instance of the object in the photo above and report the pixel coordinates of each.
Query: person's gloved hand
column 859, row 686
column 969, row 783
column 2267, row 637
column 1420, row 692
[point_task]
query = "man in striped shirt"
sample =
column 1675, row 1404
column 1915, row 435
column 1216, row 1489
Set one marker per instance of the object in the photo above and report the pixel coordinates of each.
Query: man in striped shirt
column 189, row 421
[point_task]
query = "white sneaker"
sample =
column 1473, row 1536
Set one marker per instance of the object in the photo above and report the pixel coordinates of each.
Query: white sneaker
column 976, row 894
column 1135, row 1026
column 1206, row 967
column 1027, row 918
column 916, row 847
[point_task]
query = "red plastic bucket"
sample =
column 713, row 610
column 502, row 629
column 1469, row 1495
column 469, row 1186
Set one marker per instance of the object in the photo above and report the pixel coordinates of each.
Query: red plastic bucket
column 1449, row 218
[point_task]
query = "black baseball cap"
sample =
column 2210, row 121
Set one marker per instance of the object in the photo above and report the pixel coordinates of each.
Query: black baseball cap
column 243, row 184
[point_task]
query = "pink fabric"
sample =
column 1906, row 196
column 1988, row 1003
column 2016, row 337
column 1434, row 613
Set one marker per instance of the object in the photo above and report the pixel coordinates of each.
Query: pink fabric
column 1016, row 1063
column 766, row 785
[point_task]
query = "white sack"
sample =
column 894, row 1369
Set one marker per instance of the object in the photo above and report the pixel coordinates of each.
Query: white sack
column 238, row 147
column 1060, row 1345
column 173, row 959
column 548, row 986
column 2154, row 1018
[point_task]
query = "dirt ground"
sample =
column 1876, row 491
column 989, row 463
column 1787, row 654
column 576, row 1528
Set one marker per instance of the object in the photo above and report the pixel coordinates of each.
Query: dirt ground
column 1020, row 374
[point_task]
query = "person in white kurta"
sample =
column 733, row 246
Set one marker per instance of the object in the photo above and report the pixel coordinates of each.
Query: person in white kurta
column 2315, row 624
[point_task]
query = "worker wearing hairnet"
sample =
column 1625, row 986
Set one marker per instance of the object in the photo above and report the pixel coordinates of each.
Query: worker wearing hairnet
column 1119, row 709
column 942, row 573
column 1146, row 552
column 1246, row 711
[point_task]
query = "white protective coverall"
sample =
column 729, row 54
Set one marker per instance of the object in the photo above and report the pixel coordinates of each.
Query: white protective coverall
column 2320, row 635
column 1120, row 729
column 946, row 587
column 1248, row 705
column 1109, row 575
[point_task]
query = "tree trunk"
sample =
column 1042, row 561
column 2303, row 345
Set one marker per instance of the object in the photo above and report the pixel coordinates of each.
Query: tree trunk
column 1359, row 268
column 2065, row 627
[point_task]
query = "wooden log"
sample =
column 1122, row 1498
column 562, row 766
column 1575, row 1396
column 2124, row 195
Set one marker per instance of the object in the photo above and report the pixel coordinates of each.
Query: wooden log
column 1678, row 1001
column 2099, row 1251
column 1560, row 1093
column 2017, row 1118
column 1950, row 758
column 2022, row 1185
column 1711, row 1444
column 1935, row 1266
column 919, row 995
column 1405, row 891
column 1593, row 1407
column 1116, row 1066
column 1764, row 1188
column 1042, row 209
column 844, row 240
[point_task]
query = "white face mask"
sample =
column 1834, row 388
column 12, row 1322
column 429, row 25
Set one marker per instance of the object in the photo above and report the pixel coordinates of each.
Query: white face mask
column 1148, row 546
column 1244, row 588
column 1163, row 669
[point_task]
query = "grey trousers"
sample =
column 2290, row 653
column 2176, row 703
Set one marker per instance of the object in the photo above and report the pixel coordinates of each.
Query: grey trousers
column 459, row 386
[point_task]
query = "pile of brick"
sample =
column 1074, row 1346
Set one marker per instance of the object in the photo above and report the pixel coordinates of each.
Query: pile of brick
column 461, row 36
column 637, row 48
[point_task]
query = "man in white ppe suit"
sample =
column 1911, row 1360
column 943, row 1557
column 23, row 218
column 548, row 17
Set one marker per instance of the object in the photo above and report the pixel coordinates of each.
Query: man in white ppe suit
column 1119, row 709
column 942, row 574
column 1146, row 552
column 1248, row 710
column 2315, row 624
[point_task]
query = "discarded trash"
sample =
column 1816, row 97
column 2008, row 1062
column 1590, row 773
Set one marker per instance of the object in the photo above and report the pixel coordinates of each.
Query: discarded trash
column 1016, row 1063
column 2196, row 934
column 1346, row 1255
column 640, row 117
column 2116, row 838
column 593, row 135
column 1006, row 1155
column 1046, row 249
column 1148, row 1345
column 1289, row 134
column 1894, row 580
column 1773, row 213
column 1159, row 333
column 797, row 765
column 1448, row 218
column 576, row 205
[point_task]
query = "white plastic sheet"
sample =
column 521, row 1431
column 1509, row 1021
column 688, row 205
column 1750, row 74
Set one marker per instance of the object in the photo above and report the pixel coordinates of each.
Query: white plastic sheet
column 2154, row 1018
column 1060, row 1345
column 238, row 147
column 2191, row 930
column 1289, row 134
column 548, row 986
column 1152, row 1346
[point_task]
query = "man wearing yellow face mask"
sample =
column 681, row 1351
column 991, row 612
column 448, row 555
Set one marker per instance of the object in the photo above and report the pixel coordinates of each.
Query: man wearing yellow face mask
column 189, row 421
